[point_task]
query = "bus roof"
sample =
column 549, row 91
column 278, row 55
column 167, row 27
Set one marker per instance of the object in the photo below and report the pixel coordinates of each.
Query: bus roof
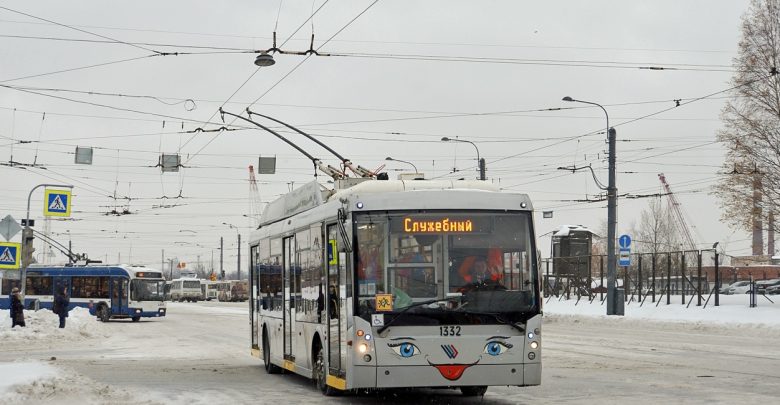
column 312, row 195
column 92, row 269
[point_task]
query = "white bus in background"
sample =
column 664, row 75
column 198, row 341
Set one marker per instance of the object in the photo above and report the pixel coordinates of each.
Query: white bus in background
column 234, row 290
column 208, row 289
column 185, row 289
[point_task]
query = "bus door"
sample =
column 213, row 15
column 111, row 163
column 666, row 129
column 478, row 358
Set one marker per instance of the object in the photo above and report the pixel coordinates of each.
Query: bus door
column 118, row 294
column 335, row 304
column 254, row 298
column 289, row 311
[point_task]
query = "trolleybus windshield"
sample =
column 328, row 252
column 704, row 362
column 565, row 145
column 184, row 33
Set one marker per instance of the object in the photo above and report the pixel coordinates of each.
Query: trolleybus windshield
column 480, row 264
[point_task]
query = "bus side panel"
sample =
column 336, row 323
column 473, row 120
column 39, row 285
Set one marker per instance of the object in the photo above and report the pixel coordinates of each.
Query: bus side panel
column 276, row 339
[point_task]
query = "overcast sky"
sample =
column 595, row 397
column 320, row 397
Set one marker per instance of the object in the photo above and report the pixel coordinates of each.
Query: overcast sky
column 402, row 75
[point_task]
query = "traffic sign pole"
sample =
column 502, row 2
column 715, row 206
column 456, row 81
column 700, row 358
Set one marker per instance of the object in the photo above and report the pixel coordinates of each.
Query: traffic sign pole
column 27, row 244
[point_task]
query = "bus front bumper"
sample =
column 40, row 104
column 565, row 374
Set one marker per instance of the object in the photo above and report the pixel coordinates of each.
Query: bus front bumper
column 430, row 376
column 133, row 312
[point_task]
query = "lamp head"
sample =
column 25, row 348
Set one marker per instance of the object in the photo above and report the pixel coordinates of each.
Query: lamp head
column 264, row 59
column 567, row 98
column 445, row 139
column 389, row 158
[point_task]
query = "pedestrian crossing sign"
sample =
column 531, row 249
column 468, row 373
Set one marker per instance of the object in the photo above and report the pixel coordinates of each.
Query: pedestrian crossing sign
column 9, row 255
column 57, row 203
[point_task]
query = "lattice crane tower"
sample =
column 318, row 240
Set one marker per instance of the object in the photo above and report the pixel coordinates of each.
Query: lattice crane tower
column 676, row 207
column 254, row 199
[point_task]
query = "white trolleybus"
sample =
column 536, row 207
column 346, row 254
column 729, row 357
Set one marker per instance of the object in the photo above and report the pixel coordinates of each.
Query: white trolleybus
column 398, row 284
column 185, row 289
column 108, row 291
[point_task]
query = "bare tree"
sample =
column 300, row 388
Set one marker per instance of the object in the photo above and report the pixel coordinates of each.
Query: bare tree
column 656, row 231
column 751, row 133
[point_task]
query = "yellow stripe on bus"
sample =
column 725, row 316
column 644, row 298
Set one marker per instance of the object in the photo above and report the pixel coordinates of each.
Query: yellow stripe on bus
column 256, row 353
column 335, row 382
column 288, row 365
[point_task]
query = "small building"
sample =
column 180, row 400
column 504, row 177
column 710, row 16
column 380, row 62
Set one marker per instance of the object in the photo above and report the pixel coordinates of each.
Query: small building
column 571, row 250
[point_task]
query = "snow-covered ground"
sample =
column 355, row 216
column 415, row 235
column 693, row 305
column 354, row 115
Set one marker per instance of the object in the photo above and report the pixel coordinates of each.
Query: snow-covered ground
column 734, row 310
column 198, row 354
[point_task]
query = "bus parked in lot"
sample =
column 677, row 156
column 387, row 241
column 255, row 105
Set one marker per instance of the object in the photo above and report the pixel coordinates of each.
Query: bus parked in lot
column 209, row 289
column 227, row 290
column 398, row 284
column 108, row 291
column 234, row 291
column 185, row 289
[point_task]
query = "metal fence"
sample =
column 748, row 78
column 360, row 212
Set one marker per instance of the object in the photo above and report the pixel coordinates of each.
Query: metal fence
column 654, row 277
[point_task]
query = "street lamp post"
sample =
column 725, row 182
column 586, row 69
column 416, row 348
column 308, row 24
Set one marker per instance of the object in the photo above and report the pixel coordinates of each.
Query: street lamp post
column 238, row 265
column 27, row 236
column 480, row 162
column 614, row 303
column 403, row 161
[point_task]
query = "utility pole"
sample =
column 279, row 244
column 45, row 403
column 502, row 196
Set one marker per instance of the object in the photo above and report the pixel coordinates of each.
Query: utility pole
column 239, row 257
column 615, row 304
column 221, row 269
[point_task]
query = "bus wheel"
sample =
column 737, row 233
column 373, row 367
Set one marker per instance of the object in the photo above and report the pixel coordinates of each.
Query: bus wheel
column 473, row 391
column 270, row 368
column 102, row 313
column 321, row 374
column 136, row 318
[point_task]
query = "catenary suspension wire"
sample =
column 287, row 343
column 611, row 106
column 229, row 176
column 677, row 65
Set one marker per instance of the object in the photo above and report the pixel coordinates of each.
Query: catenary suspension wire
column 79, row 30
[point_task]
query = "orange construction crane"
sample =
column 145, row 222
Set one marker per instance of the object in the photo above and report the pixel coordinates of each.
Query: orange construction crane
column 676, row 208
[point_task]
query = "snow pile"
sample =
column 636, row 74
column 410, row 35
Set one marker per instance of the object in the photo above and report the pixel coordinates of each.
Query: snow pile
column 40, row 383
column 43, row 325
column 733, row 312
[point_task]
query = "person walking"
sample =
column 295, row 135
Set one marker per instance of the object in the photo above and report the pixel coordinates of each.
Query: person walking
column 17, row 309
column 61, row 302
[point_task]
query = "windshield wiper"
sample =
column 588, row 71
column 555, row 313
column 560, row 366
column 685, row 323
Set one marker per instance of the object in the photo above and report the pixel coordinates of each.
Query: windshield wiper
column 416, row 304
column 497, row 317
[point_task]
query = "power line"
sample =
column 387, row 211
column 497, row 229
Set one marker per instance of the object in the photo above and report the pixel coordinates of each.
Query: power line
column 80, row 30
column 424, row 43
column 78, row 68
column 101, row 105
column 308, row 55
column 544, row 62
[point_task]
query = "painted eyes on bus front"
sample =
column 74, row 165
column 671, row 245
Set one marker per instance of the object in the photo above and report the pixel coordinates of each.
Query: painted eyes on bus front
column 404, row 349
column 496, row 348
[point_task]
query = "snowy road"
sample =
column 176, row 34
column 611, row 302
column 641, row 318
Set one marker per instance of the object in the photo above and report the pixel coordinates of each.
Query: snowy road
column 199, row 354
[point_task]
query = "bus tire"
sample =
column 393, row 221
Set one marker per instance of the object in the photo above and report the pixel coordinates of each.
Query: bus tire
column 321, row 372
column 103, row 314
column 478, row 391
column 136, row 318
column 270, row 368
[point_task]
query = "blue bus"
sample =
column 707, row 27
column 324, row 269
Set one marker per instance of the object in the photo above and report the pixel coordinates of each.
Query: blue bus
column 108, row 291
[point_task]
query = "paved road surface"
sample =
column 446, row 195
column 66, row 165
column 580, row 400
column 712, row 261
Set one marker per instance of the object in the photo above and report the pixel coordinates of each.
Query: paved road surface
column 199, row 354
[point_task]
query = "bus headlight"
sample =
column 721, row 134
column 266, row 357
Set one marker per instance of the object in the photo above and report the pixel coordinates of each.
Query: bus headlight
column 534, row 345
column 137, row 311
column 362, row 348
